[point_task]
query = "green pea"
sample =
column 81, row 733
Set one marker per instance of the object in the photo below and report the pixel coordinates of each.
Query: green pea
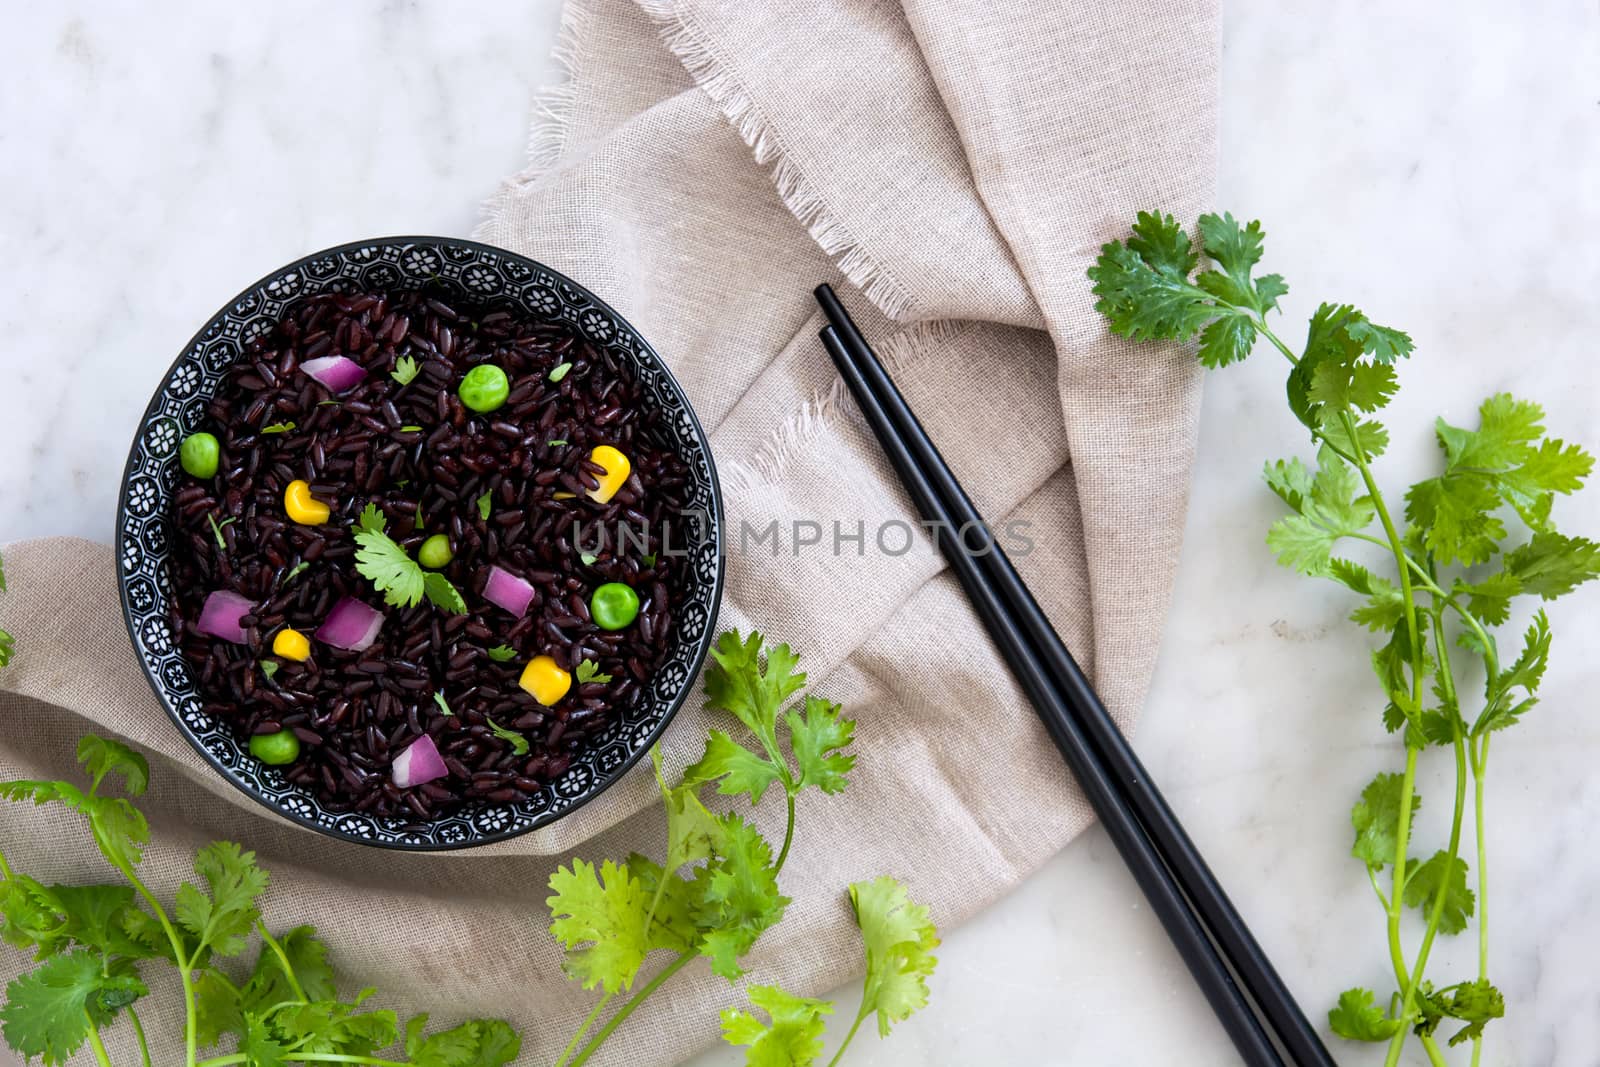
column 614, row 606
column 484, row 388
column 435, row 552
column 275, row 749
column 199, row 454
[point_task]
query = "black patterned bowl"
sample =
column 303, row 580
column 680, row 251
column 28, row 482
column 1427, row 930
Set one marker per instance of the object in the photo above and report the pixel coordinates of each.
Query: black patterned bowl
column 469, row 273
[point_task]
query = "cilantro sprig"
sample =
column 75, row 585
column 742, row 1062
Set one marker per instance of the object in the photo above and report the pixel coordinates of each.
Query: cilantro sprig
column 93, row 943
column 716, row 891
column 1476, row 537
column 8, row 644
column 393, row 572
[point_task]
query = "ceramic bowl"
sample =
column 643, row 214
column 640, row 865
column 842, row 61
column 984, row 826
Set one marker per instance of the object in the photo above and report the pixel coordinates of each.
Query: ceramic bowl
column 466, row 273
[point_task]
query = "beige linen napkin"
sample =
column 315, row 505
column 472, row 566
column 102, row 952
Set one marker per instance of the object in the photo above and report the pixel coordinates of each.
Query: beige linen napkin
column 707, row 163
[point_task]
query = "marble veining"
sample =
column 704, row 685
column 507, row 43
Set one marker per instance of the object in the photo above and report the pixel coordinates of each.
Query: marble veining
column 1438, row 165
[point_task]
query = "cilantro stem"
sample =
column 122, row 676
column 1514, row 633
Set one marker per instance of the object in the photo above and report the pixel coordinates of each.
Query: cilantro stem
column 138, row 1032
column 588, row 1021
column 185, row 976
column 307, row 1057
column 627, row 1009
column 1480, row 766
column 283, row 960
column 788, row 834
column 849, row 1037
column 98, row 1045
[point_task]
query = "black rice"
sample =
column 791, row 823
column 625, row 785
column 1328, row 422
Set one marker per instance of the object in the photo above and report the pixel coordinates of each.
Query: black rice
column 354, row 711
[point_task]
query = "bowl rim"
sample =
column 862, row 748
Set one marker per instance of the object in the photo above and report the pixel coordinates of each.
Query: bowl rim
column 601, row 785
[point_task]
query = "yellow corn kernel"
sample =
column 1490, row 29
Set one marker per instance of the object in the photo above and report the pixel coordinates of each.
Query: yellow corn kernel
column 302, row 507
column 291, row 644
column 544, row 681
column 617, row 470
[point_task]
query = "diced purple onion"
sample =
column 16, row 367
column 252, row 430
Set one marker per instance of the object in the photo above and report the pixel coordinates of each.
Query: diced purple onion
column 351, row 625
column 221, row 614
column 338, row 373
column 420, row 762
column 506, row 590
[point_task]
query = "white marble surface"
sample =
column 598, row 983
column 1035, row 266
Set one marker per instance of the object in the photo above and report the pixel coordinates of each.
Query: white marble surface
column 1441, row 168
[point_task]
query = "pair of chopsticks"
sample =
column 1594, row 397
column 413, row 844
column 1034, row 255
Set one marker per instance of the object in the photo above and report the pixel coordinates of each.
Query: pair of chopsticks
column 1205, row 927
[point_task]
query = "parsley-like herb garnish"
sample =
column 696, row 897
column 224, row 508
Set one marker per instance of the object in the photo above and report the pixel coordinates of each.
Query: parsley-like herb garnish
column 519, row 744
column 444, row 705
column 395, row 574
column 612, row 916
column 559, row 371
column 405, row 370
column 502, row 653
column 1451, row 574
column 96, row 943
column 278, row 427
column 589, row 671
column 484, row 502
column 216, row 529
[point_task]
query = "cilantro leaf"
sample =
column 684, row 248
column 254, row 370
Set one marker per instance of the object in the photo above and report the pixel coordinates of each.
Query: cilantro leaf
column 442, row 593
column 815, row 737
column 693, row 833
column 1290, row 479
column 502, row 653
column 1475, row 1003
column 49, row 1011
column 220, row 917
column 444, row 705
column 94, row 916
column 1385, row 606
column 1376, row 818
column 475, row 1043
column 1329, row 510
column 331, row 1027
column 1380, row 342
column 278, row 427
column 1525, row 673
column 1490, row 599
column 372, row 519
column 604, row 910
column 733, row 767
column 1424, row 880
column 269, row 668
column 216, row 1008
column 1357, row 1017
column 739, row 898
column 519, row 744
column 900, row 939
column 559, row 371
column 589, row 671
column 792, row 1036
column 1144, row 286
column 102, row 756
column 740, row 683
column 405, row 370
column 484, row 503
column 269, row 984
column 385, row 564
column 1552, row 564
column 1455, row 516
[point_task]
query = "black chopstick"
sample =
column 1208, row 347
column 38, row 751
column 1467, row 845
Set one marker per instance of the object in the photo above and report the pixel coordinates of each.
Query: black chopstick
column 1165, row 899
column 1071, row 696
